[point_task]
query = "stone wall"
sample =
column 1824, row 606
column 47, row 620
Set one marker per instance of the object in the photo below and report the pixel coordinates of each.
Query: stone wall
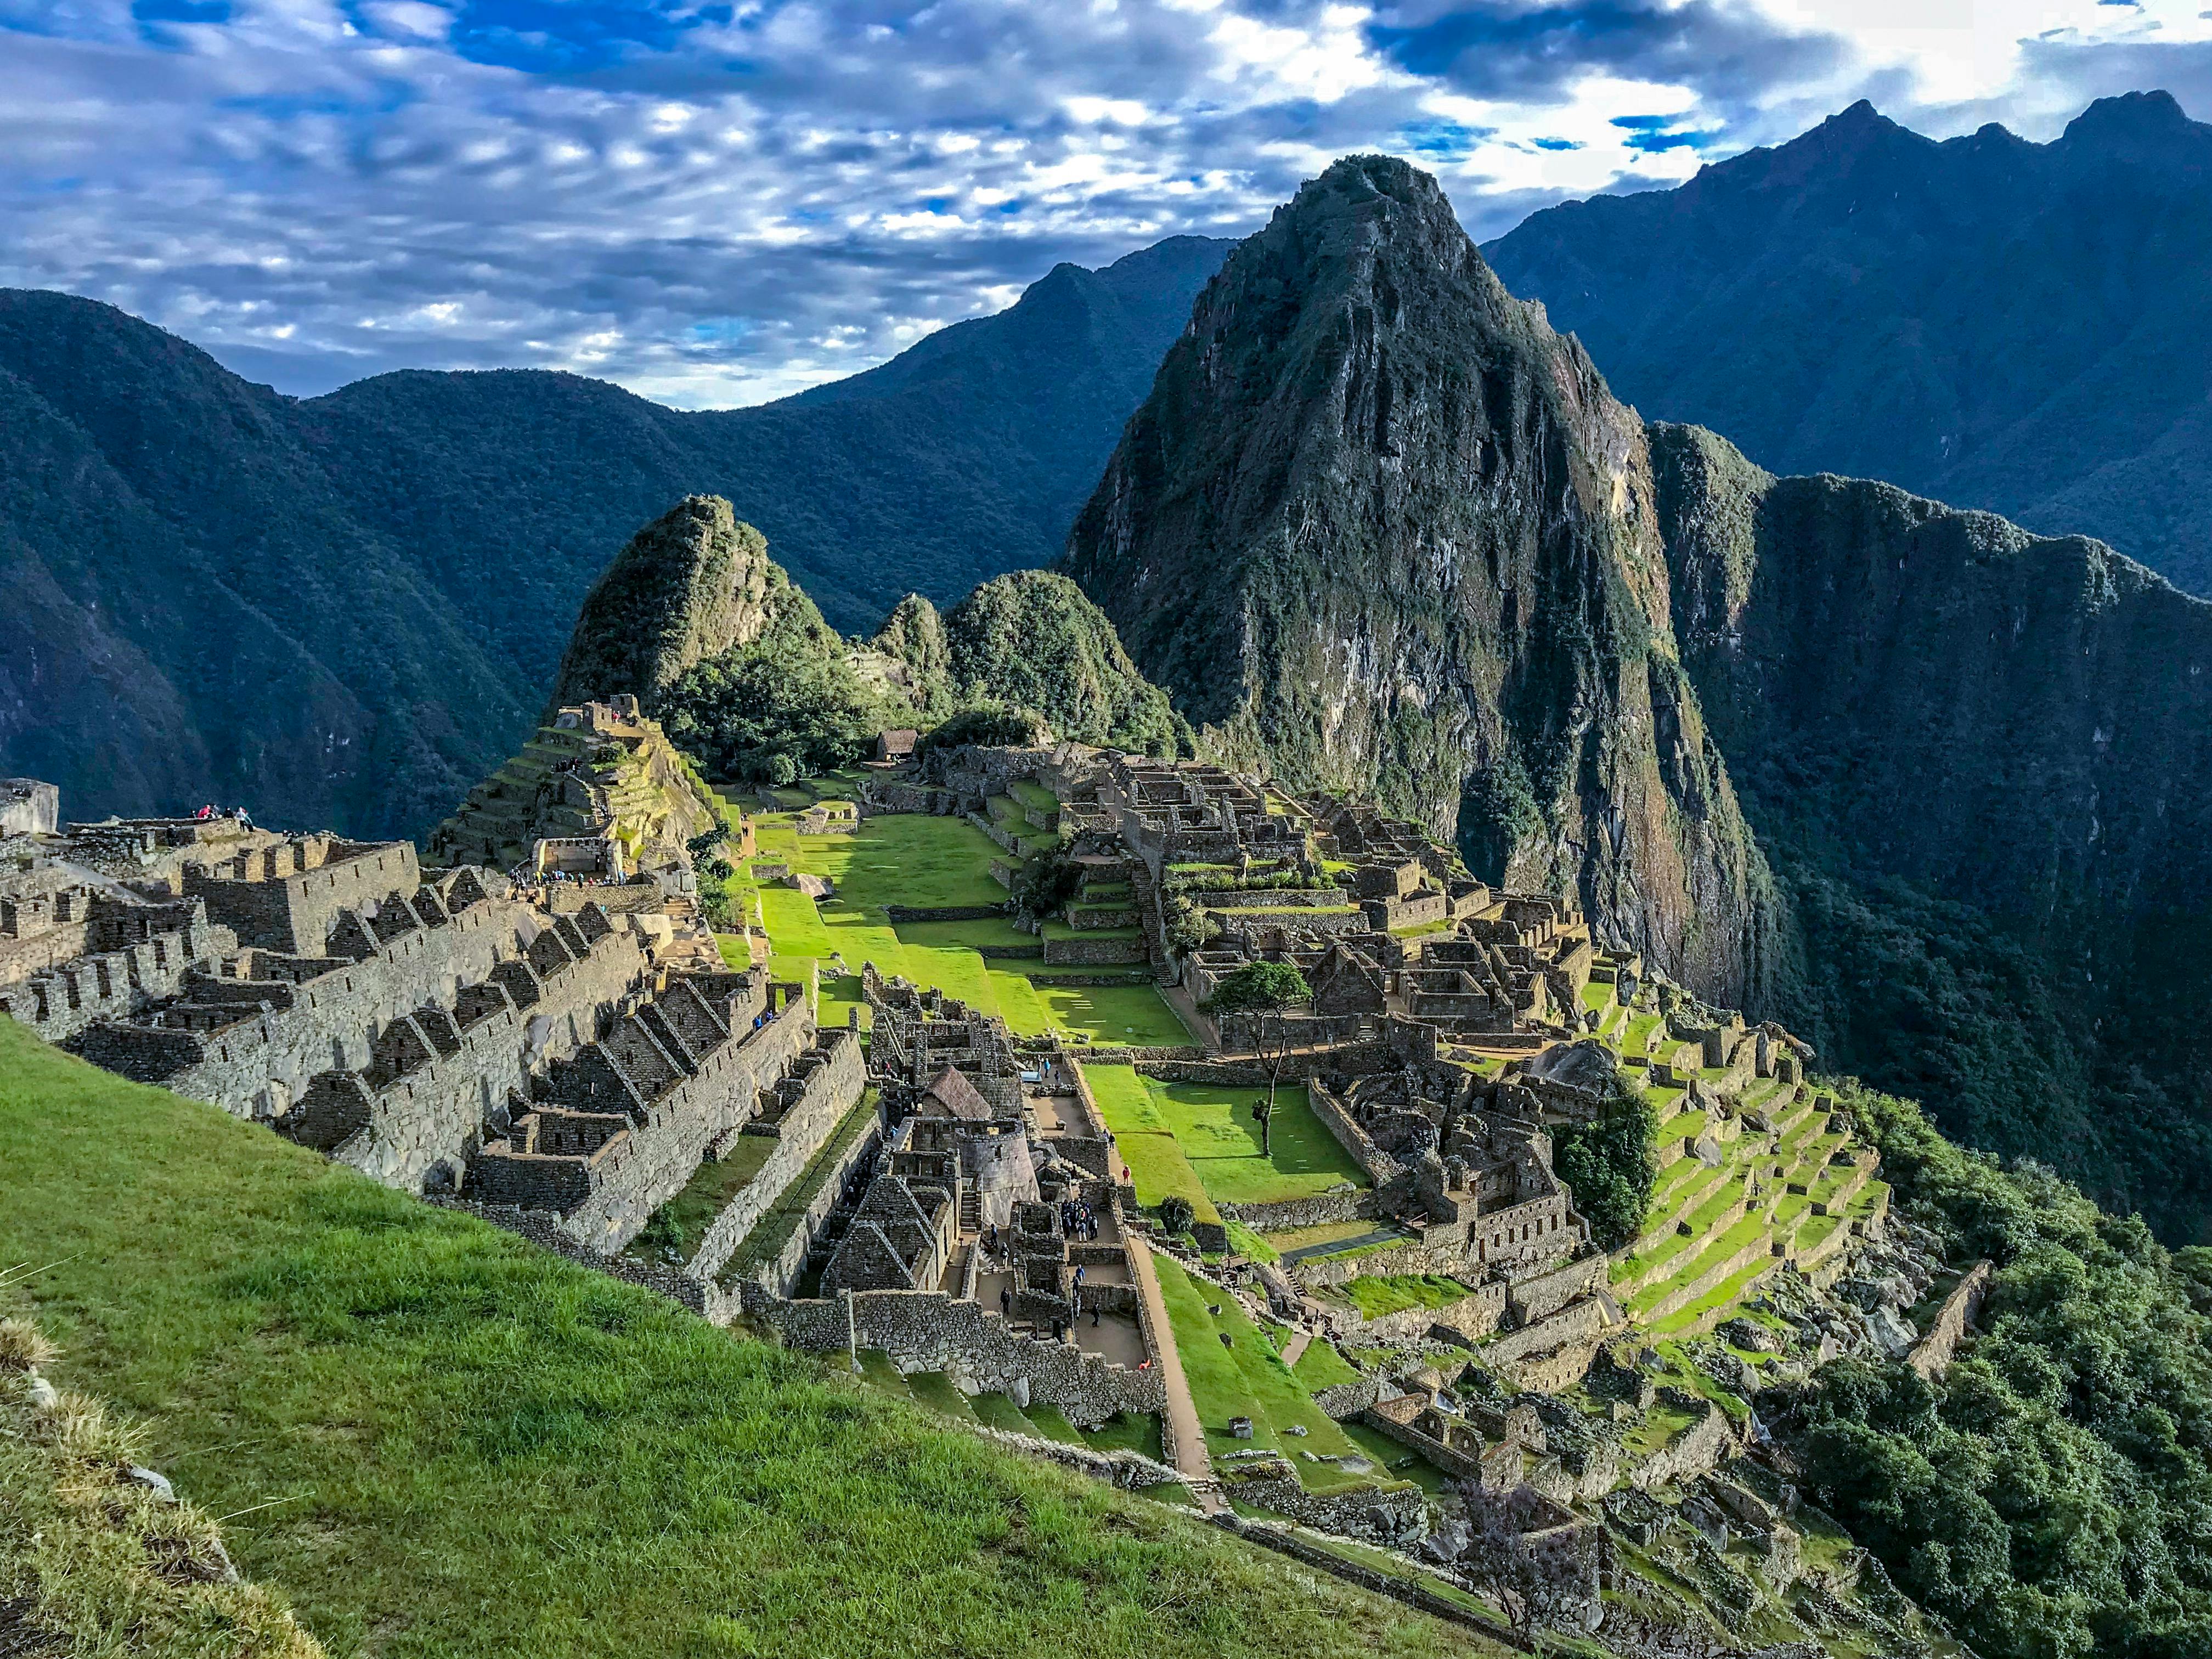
column 293, row 910
column 662, row 1150
column 1577, row 1322
column 1472, row 1316
column 1394, row 1517
column 830, row 1092
column 1697, row 1450
column 776, row 1277
column 1403, row 1589
column 1540, row 1295
column 1343, row 1399
column 1321, row 1210
column 1094, row 952
column 929, row 1331
column 1449, row 1459
column 64, row 1002
column 1382, row 1168
column 1931, row 1355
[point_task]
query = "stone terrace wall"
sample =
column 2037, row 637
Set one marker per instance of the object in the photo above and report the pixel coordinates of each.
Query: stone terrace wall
column 67, row 1000
column 929, row 1331
column 257, row 1069
column 831, row 1093
column 776, row 1277
column 295, row 912
column 1321, row 1210
column 658, row 1156
column 1697, row 1449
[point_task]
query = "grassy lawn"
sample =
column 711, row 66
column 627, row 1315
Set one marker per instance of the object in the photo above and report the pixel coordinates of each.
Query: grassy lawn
column 1321, row 1366
column 906, row 858
column 1383, row 1293
column 440, row 1441
column 1329, row 1233
column 967, row 935
column 1246, row 1379
column 1215, row 1128
column 1133, row 1014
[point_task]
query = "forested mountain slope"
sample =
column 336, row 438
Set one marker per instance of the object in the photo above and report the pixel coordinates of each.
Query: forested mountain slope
column 1980, row 761
column 1992, row 322
column 344, row 611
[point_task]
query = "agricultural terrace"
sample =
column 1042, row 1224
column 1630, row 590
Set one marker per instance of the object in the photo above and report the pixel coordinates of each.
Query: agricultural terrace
column 1778, row 1179
column 439, row 1440
column 925, row 862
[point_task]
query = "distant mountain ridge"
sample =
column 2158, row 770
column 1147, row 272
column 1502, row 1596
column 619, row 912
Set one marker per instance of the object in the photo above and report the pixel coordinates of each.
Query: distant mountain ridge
column 1989, row 321
column 344, row 611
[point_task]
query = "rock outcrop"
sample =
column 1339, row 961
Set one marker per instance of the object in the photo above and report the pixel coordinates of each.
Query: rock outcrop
column 1379, row 528
column 690, row 584
column 1034, row 639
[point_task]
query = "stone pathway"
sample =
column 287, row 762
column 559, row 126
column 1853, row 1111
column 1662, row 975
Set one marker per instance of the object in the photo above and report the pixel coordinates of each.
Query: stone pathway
column 1294, row 1349
column 1386, row 1236
column 1191, row 1459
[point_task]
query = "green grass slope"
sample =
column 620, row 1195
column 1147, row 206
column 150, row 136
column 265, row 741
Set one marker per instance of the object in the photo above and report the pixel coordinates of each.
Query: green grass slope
column 438, row 1440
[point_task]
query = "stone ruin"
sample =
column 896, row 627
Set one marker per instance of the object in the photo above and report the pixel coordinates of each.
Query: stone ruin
column 441, row 1031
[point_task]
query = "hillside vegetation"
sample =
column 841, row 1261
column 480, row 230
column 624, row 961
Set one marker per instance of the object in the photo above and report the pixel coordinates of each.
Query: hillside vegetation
column 2049, row 1494
column 452, row 1442
column 1995, row 323
column 344, row 611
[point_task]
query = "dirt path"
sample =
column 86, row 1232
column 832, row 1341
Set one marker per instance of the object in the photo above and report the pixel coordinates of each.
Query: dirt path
column 1191, row 1459
column 1294, row 1349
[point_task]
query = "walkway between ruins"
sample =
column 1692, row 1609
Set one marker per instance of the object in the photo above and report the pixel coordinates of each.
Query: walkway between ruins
column 1295, row 1349
column 1191, row 1459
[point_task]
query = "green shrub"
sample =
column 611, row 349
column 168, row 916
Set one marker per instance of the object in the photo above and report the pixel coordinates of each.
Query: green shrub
column 1612, row 1164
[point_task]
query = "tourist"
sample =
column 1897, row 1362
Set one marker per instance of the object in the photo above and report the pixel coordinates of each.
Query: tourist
column 1006, row 1301
column 1094, row 1315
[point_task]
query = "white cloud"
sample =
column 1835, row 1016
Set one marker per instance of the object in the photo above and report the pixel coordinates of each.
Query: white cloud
column 718, row 207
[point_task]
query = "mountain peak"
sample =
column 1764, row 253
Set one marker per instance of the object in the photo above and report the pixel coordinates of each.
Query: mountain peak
column 2131, row 117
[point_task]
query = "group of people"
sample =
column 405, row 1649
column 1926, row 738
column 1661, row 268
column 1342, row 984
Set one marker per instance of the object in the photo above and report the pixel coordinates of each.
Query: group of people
column 211, row 811
column 1077, row 1221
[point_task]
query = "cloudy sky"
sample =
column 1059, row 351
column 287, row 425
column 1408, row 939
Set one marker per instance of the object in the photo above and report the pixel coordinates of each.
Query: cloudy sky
column 724, row 202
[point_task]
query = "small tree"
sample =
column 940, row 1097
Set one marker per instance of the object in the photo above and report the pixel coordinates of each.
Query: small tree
column 1176, row 1215
column 1267, row 989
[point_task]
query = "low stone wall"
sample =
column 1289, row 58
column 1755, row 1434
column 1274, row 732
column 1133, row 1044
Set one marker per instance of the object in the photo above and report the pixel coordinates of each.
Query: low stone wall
column 1343, row 1399
column 944, row 912
column 831, row 1093
column 1094, row 952
column 1225, row 1073
column 1577, row 1322
column 929, row 1331
column 1131, row 1470
column 1122, row 1055
column 1267, row 898
column 1382, row 1168
column 1544, row 1294
column 1322, row 1210
column 1389, row 1516
column 1321, row 1272
column 1285, row 1542
column 1931, row 1355
column 1696, row 1450
column 1449, row 1459
column 1473, row 1316
column 1077, row 979
column 777, row 1276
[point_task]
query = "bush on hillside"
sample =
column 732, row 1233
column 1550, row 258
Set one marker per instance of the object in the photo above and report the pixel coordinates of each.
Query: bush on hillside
column 1611, row 1165
column 2050, row 1494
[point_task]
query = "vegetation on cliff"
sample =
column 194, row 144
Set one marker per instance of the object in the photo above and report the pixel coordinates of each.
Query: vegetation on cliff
column 1980, row 761
column 1034, row 640
column 2048, row 1494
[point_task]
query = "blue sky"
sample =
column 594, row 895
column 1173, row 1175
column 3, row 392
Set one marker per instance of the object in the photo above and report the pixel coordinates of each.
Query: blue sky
column 722, row 203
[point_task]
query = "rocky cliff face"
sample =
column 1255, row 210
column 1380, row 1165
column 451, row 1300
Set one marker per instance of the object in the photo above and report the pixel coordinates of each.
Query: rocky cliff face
column 1982, row 761
column 1379, row 528
column 690, row 586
